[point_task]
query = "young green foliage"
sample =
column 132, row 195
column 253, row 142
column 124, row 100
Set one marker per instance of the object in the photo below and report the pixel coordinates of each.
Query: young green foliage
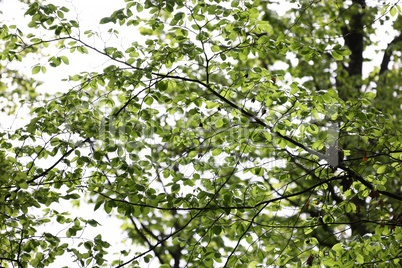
column 222, row 134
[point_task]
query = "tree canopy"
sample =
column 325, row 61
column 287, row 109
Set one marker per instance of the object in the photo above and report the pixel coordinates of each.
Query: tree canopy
column 217, row 134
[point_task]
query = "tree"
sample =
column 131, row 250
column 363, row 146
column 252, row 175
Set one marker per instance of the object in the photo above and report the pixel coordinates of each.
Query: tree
column 209, row 152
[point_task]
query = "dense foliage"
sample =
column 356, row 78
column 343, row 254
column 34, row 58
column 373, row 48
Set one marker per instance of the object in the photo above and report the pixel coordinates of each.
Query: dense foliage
column 227, row 135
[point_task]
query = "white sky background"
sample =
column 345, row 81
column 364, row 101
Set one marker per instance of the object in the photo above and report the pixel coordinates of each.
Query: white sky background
column 89, row 14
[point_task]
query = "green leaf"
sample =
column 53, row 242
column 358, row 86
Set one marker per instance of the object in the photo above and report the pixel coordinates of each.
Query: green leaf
column 130, row 61
column 314, row 113
column 106, row 20
column 211, row 105
column 108, row 207
column 65, row 60
column 148, row 100
column 359, row 258
column 338, row 247
column 328, row 219
column 393, row 11
column 294, row 90
column 215, row 49
column 381, row 169
column 344, row 52
column 98, row 204
column 219, row 123
column 336, row 55
column 370, row 95
column 175, row 188
column 36, row 69
column 267, row 136
column 93, row 223
column 216, row 151
column 217, row 230
column 23, row 185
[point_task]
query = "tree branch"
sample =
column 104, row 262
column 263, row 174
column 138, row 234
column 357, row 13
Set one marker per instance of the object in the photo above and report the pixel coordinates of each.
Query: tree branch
column 157, row 254
column 388, row 52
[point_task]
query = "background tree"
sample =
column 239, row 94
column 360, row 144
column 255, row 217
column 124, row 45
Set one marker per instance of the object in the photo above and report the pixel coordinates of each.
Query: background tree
column 209, row 151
